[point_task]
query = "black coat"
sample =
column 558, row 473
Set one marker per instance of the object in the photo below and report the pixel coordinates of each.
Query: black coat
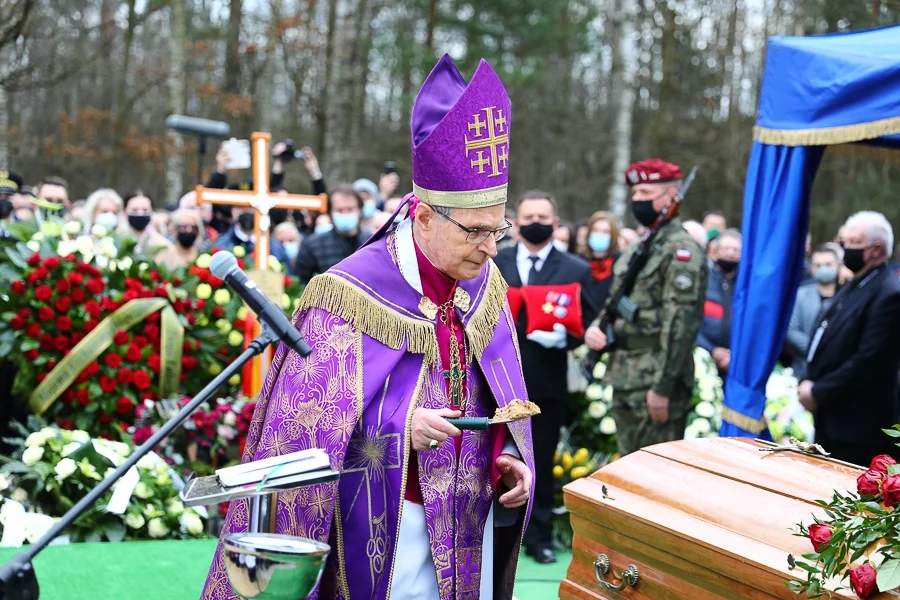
column 854, row 369
column 546, row 369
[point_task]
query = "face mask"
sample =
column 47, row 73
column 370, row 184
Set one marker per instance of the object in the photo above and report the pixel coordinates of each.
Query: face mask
column 712, row 234
column 536, row 233
column 291, row 249
column 599, row 242
column 727, row 266
column 6, row 208
column 854, row 259
column 561, row 245
column 107, row 219
column 825, row 274
column 219, row 224
column 644, row 212
column 186, row 239
column 245, row 220
column 368, row 210
column 346, row 223
column 324, row 227
column 139, row 222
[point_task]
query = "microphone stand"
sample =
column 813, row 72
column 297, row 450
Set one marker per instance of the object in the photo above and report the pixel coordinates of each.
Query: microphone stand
column 18, row 580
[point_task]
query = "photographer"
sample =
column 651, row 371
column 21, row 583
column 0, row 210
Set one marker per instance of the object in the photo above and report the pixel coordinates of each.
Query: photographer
column 282, row 153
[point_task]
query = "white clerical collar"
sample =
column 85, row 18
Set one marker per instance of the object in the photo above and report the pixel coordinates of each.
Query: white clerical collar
column 406, row 255
column 242, row 236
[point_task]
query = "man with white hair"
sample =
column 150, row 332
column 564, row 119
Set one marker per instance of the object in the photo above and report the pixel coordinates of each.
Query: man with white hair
column 854, row 354
column 696, row 230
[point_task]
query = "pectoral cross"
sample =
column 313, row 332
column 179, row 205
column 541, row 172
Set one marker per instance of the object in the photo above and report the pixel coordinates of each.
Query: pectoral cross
column 455, row 376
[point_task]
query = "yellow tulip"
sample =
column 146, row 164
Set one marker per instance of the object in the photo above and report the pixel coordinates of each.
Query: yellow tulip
column 274, row 264
column 239, row 252
column 578, row 472
column 222, row 297
column 202, row 321
column 235, row 338
column 566, row 461
column 285, row 302
column 558, row 472
column 242, row 313
column 215, row 369
column 234, row 379
column 580, row 456
column 203, row 261
column 204, row 291
column 556, row 457
column 223, row 326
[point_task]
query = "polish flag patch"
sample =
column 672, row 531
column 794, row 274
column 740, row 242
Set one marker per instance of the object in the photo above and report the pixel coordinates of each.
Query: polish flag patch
column 683, row 255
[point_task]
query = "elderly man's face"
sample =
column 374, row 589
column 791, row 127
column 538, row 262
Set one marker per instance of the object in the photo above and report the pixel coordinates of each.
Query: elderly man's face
column 854, row 236
column 450, row 250
column 729, row 249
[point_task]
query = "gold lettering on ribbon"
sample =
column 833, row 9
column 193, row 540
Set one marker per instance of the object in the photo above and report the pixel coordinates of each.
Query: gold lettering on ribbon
column 170, row 362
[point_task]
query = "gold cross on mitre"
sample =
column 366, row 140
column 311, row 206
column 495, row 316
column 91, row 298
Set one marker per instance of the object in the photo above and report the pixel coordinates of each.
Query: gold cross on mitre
column 495, row 141
column 261, row 200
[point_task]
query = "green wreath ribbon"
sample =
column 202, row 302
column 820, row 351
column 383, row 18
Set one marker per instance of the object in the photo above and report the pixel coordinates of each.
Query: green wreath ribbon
column 101, row 338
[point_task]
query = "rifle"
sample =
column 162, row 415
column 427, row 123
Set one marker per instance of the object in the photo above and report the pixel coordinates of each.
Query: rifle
column 619, row 304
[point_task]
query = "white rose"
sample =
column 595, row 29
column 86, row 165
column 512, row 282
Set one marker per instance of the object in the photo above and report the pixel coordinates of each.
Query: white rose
column 599, row 370
column 608, row 393
column 4, row 483
column 34, row 246
column 72, row 227
column 19, row 495
column 594, row 391
column 597, row 410
column 98, row 230
column 126, row 263
column 608, row 426
column 157, row 528
column 35, row 439
column 70, row 448
column 121, row 448
column 64, row 468
column 163, row 479
column 690, row 433
column 66, row 247
column 230, row 419
column 702, row 426
column 80, row 436
column 707, row 394
column 147, row 462
column 705, row 410
column 37, row 237
column 32, row 455
column 175, row 507
column 141, row 490
column 135, row 521
column 191, row 523
column 36, row 525
column 85, row 245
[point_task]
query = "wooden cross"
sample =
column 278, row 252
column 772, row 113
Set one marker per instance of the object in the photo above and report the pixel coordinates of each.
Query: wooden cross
column 261, row 200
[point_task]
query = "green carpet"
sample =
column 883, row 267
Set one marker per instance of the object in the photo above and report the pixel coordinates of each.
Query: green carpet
column 175, row 570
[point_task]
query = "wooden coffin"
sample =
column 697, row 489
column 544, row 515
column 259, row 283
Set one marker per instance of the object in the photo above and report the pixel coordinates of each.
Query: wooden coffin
column 699, row 519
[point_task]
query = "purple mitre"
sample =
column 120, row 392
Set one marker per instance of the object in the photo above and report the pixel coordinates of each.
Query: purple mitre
column 460, row 138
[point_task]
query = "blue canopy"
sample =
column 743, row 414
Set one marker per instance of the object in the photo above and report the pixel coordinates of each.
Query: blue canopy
column 817, row 91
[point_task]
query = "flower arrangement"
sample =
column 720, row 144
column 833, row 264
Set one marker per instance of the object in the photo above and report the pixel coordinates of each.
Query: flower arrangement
column 859, row 540
column 569, row 465
column 705, row 417
column 53, row 468
column 786, row 416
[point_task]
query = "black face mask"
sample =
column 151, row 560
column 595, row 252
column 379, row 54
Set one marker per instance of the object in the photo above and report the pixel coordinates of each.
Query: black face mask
column 219, row 224
column 6, row 208
column 854, row 259
column 644, row 212
column 186, row 239
column 139, row 222
column 727, row 266
column 245, row 220
column 536, row 233
column 278, row 216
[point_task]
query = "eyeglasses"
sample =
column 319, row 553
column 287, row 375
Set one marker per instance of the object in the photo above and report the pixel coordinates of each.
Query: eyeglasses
column 477, row 236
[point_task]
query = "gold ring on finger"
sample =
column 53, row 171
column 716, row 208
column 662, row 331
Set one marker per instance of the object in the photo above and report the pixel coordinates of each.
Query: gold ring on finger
column 434, row 444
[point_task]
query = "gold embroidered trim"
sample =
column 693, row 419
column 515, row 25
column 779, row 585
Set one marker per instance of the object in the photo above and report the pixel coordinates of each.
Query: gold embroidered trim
column 746, row 423
column 347, row 301
column 827, row 135
column 480, row 328
column 469, row 199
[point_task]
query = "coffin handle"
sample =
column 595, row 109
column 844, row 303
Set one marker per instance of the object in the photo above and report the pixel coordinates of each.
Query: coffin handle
column 601, row 568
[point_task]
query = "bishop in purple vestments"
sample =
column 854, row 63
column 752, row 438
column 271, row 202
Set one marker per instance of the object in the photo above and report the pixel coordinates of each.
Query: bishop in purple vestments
column 412, row 328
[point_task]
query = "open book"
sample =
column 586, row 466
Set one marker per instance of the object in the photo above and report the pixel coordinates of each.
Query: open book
column 274, row 467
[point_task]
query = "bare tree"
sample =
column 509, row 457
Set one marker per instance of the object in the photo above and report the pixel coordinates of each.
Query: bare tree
column 624, row 66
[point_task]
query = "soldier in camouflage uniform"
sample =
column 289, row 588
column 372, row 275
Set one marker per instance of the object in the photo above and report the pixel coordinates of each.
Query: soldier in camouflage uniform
column 651, row 366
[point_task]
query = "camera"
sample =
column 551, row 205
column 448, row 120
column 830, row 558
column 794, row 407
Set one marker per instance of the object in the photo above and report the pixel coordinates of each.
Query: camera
column 290, row 153
column 390, row 167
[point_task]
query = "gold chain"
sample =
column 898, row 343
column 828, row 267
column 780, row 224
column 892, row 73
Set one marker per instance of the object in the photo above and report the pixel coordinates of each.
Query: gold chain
column 456, row 375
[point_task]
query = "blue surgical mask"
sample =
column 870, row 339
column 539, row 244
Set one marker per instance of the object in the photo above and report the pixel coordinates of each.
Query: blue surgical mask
column 825, row 274
column 368, row 210
column 345, row 222
column 324, row 227
column 599, row 242
column 291, row 249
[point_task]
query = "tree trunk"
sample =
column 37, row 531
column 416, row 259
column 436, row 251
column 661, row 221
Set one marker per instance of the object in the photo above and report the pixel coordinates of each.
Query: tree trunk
column 176, row 96
column 341, row 155
column 322, row 112
column 233, row 49
column 623, row 98
column 4, row 129
column 122, row 107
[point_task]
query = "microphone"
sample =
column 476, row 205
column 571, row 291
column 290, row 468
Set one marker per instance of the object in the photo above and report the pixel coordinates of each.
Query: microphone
column 224, row 266
column 197, row 126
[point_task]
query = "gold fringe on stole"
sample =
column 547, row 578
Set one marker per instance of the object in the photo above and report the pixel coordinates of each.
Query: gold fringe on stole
column 756, row 426
column 364, row 312
column 480, row 329
column 827, row 136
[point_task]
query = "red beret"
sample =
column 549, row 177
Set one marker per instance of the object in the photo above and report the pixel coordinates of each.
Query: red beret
column 652, row 170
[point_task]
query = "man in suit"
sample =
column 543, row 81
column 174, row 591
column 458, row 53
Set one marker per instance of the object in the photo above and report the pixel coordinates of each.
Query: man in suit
column 854, row 354
column 535, row 261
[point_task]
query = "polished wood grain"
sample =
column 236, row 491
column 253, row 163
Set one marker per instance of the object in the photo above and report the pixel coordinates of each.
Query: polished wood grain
column 702, row 519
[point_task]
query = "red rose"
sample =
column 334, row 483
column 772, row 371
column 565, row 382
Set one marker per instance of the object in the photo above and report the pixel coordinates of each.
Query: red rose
column 63, row 304
column 41, row 377
column 17, row 323
column 24, row 313
column 95, row 286
column 77, row 337
column 108, row 384
column 125, row 376
column 153, row 317
column 108, row 304
column 881, row 462
column 66, row 423
column 155, row 276
column 88, row 270
column 34, row 260
column 32, row 354
column 819, row 534
column 52, row 262
column 142, row 434
column 64, row 324
column 240, row 324
column 51, row 364
column 153, row 362
column 78, row 295
column 76, row 278
column 93, row 368
column 92, row 308
column 191, row 319
column 146, row 294
column 287, row 280
column 113, row 361
column 151, row 331
column 82, row 377
column 218, row 312
column 124, row 406
column 161, row 292
column 176, row 280
column 83, row 397
column 241, row 264
column 178, row 305
column 90, row 325
column 869, row 482
column 215, row 281
column 863, row 581
column 43, row 293
column 41, row 273
column 890, row 487
column 63, row 286
column 141, row 380
column 33, row 330
column 104, row 419
column 133, row 354
column 199, row 304
column 140, row 341
column 45, row 314
column 60, row 343
column 121, row 338
column 18, row 287
column 46, row 342
column 129, row 295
